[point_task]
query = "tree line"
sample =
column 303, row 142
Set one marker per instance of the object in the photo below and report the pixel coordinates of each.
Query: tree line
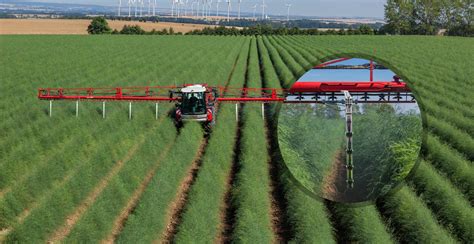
column 99, row 25
column 429, row 17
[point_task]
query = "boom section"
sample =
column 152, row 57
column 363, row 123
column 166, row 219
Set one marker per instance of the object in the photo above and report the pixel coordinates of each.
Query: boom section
column 152, row 93
column 362, row 92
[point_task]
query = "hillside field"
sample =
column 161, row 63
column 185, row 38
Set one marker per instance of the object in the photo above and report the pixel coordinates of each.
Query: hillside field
column 89, row 179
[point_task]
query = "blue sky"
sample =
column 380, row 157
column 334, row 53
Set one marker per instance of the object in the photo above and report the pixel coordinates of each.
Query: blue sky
column 325, row 8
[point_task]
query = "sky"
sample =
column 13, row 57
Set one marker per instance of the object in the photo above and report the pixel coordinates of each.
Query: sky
column 323, row 8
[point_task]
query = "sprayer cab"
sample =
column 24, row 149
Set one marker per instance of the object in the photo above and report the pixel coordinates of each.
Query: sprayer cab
column 196, row 103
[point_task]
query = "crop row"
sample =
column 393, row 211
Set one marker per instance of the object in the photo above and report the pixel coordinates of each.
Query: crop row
column 202, row 218
column 452, row 164
column 362, row 224
column 250, row 195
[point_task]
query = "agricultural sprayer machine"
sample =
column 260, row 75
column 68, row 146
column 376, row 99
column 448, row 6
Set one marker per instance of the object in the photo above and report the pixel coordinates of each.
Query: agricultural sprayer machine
column 199, row 102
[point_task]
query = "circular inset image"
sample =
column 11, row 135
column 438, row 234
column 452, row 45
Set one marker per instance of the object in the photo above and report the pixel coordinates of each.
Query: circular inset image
column 350, row 130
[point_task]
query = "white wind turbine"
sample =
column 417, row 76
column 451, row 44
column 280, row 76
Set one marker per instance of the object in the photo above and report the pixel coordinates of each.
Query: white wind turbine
column 217, row 11
column 209, row 7
column 203, row 9
column 178, row 7
column 263, row 9
column 136, row 7
column 173, row 4
column 254, row 10
column 149, row 7
column 288, row 13
column 142, row 4
column 154, row 7
column 240, row 2
column 228, row 10
column 186, row 7
column 130, row 3
column 119, row 7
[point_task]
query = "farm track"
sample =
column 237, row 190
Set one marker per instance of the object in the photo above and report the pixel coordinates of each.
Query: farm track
column 133, row 201
column 72, row 219
column 176, row 208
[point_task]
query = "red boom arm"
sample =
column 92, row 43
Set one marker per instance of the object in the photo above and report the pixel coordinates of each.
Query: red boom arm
column 239, row 95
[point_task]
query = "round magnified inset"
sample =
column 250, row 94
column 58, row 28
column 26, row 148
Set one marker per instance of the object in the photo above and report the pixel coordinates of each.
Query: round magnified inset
column 350, row 130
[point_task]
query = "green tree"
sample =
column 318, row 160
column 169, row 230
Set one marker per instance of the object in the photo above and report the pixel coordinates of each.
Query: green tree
column 427, row 16
column 132, row 30
column 399, row 16
column 365, row 30
column 99, row 26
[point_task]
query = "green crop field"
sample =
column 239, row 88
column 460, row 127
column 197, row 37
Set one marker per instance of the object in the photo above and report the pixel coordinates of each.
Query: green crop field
column 90, row 179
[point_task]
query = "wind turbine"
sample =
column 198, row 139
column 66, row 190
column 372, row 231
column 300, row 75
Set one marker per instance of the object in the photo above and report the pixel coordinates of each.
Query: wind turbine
column 197, row 8
column 149, row 7
column 173, row 4
column 186, row 8
column 254, row 10
column 204, row 5
column 136, row 7
column 209, row 7
column 119, row 7
column 288, row 13
column 228, row 10
column 142, row 3
column 178, row 7
column 240, row 2
column 263, row 9
column 154, row 7
column 217, row 12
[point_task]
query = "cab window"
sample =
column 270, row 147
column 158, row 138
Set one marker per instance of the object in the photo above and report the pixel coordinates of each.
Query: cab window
column 193, row 103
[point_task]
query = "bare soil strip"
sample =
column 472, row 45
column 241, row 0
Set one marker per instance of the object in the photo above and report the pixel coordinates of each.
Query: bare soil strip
column 72, row 219
column 133, row 201
column 280, row 224
column 176, row 208
column 227, row 212
column 335, row 178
